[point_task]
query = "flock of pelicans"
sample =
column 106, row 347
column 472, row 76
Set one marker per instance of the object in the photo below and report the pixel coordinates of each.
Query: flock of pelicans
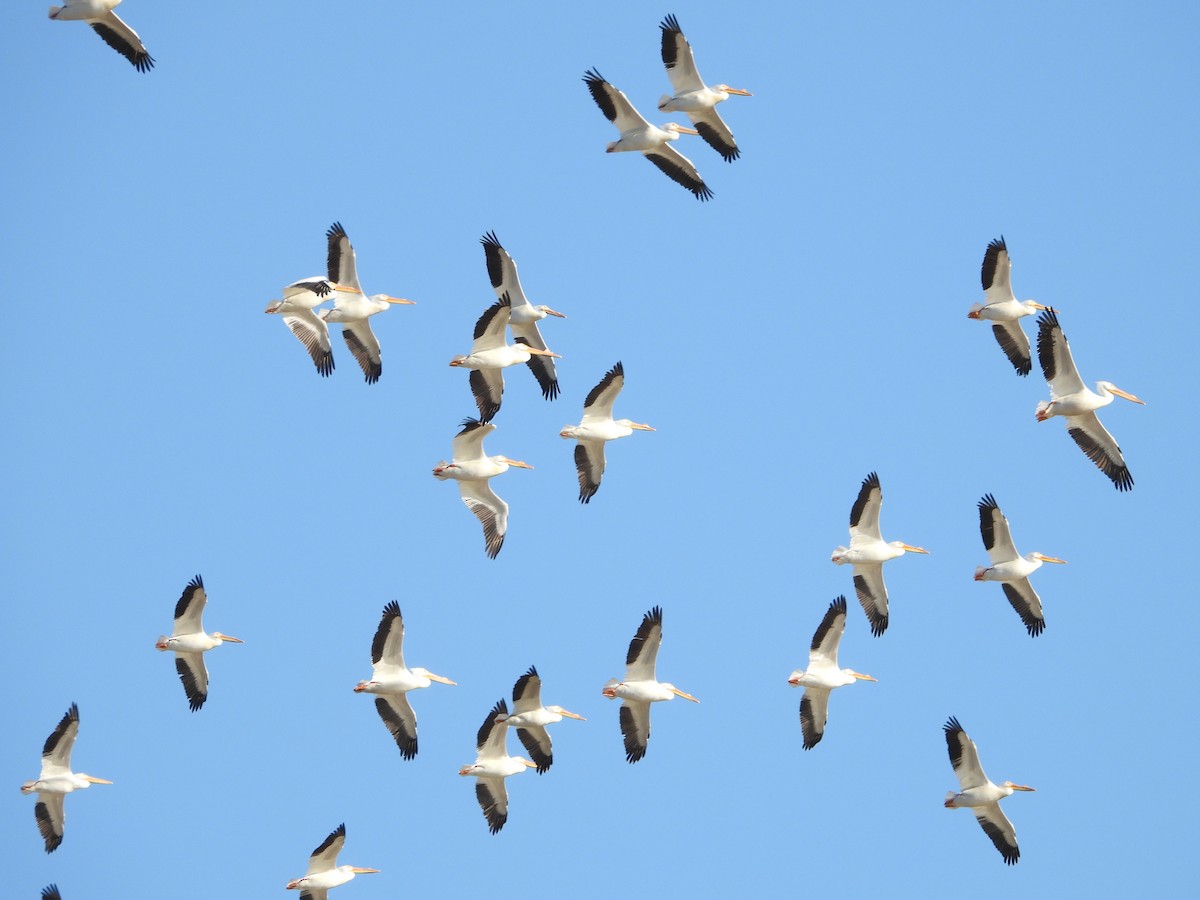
column 303, row 311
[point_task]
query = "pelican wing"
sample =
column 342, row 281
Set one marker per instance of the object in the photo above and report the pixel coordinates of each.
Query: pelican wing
column 123, row 39
column 527, row 692
column 493, row 800
column 679, row 169
column 490, row 510
column 189, row 609
column 1100, row 447
column 635, row 726
column 502, row 270
column 1027, row 603
column 1054, row 354
column 872, row 594
column 963, row 756
column 340, row 262
column 489, row 327
column 598, row 406
column 715, row 133
column 1012, row 340
column 48, row 811
column 614, row 104
column 995, row 273
column 401, row 722
column 997, row 827
column 194, row 676
column 643, row 649
column 325, row 856
column 542, row 367
column 309, row 292
column 590, row 462
column 677, row 57
column 365, row 346
column 487, row 386
column 489, row 740
column 814, row 712
column 387, row 648
column 993, row 526
column 828, row 635
column 468, row 443
column 536, row 740
column 864, row 515
column 311, row 330
column 56, row 752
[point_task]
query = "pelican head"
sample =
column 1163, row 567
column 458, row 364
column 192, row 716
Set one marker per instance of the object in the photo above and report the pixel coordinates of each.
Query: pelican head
column 545, row 310
column 900, row 545
column 512, row 462
column 677, row 692
column 558, row 710
column 440, row 679
column 227, row 638
column 634, row 425
column 1102, row 386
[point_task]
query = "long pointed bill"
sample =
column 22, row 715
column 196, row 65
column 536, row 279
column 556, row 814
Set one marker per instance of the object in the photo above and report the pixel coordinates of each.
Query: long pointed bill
column 231, row 639
column 440, row 679
column 554, row 312
column 915, row 549
column 407, row 303
column 359, row 871
column 636, row 427
column 863, row 677
column 686, row 696
column 1037, row 305
column 738, row 91
column 529, row 765
column 95, row 780
column 519, row 464
column 539, row 352
column 1051, row 559
column 1127, row 395
column 1022, row 787
column 571, row 715
column 685, row 130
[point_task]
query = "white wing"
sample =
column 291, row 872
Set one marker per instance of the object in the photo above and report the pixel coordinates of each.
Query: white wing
column 468, row 443
column 325, row 856
column 963, row 757
column 827, row 637
column 635, row 727
column 400, row 720
column 643, row 649
column 1054, row 354
column 365, row 346
column 814, row 712
column 995, row 274
column 189, row 609
column 677, row 57
column 491, row 511
column 679, row 169
column 527, row 692
column 387, row 648
column 1100, row 447
column 864, row 515
column 56, row 752
column 536, row 741
column 872, row 594
column 715, row 133
column 123, row 39
column 489, row 328
column 340, row 263
column 598, row 406
column 48, row 811
column 993, row 527
column 997, row 827
column 1012, row 340
column 542, row 367
column 493, row 800
column 590, row 463
column 311, row 330
column 614, row 104
column 1027, row 603
column 487, row 387
column 193, row 673
column 502, row 270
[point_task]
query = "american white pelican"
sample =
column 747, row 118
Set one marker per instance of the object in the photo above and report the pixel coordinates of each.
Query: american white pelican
column 868, row 552
column 638, row 134
column 323, row 871
column 523, row 316
column 979, row 793
column 190, row 641
column 1070, row 399
column 640, row 688
column 492, row 765
column 99, row 14
column 471, row 468
column 1009, row 568
column 1001, row 306
column 596, row 428
column 489, row 354
column 530, row 719
column 352, row 307
column 391, row 680
column 300, row 298
column 57, row 780
column 692, row 95
column 50, row 892
column 823, row 674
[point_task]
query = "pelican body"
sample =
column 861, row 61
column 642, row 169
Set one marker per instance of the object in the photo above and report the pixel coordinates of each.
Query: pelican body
column 99, row 14
column 300, row 298
column 1001, row 307
column 323, row 871
column 530, row 719
column 1009, row 568
column 190, row 642
column 492, row 765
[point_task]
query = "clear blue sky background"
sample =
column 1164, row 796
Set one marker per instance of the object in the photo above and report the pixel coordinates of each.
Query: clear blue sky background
column 804, row 328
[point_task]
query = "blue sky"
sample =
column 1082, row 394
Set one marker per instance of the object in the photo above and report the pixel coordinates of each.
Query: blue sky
column 805, row 327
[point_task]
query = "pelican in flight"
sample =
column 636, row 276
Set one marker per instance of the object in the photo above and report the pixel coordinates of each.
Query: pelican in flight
column 352, row 307
column 597, row 428
column 190, row 642
column 492, row 765
column 640, row 688
column 1009, row 568
column 1070, row 399
column 638, row 134
column 99, row 14
column 523, row 316
column 57, row 780
column 391, row 680
column 823, row 674
column 323, row 871
column 530, row 719
column 300, row 298
column 1001, row 306
column 868, row 552
column 979, row 793
column 471, row 468
column 692, row 95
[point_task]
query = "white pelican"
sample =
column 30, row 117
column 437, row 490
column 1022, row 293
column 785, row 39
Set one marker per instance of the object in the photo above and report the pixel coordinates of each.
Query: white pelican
column 823, row 674
column 692, row 95
column 492, row 765
column 638, row 134
column 300, row 298
column 1001, row 306
column 352, row 307
column 50, row 892
column 1009, row 568
column 596, row 428
column 57, row 780
column 979, row 793
column 489, row 354
column 190, row 641
column 323, row 871
column 868, row 552
column 640, row 688
column 471, row 468
column 99, row 14
column 530, row 719
column 391, row 680
column 1070, row 399
column 523, row 316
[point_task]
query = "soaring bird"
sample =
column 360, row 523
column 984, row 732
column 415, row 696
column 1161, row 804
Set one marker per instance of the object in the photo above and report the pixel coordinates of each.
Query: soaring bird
column 391, row 680
column 638, row 134
column 300, row 298
column 1071, row 400
column 352, row 307
column 868, row 552
column 190, row 642
column 530, row 719
column 1009, row 568
column 492, row 765
column 99, row 14
column 597, row 428
column 57, row 780
column 523, row 316
column 323, row 871
column 471, row 468
column 640, row 687
column 692, row 95
column 979, row 793
column 1001, row 306
column 823, row 674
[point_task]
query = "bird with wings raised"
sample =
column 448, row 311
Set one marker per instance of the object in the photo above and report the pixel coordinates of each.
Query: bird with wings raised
column 190, row 642
column 492, row 765
column 1010, row 568
column 1001, row 307
column 530, row 719
column 106, row 23
column 597, row 428
column 323, row 871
